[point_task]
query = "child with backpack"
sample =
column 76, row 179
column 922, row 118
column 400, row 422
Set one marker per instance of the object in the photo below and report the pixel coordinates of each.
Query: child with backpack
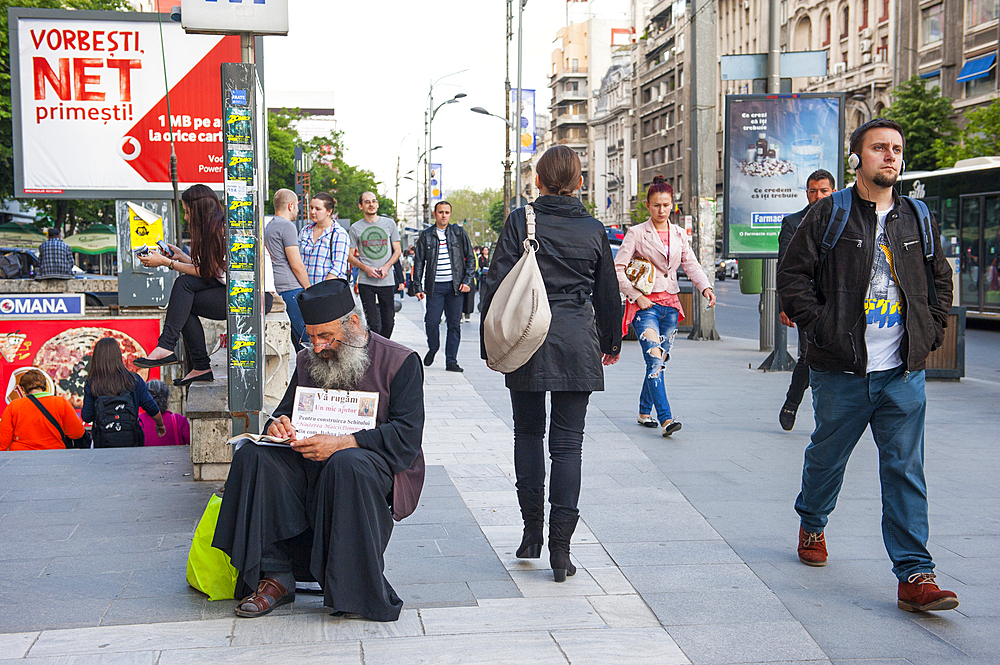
column 112, row 397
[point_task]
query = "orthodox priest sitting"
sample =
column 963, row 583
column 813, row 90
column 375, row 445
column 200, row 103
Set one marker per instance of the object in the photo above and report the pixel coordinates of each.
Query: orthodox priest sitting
column 321, row 509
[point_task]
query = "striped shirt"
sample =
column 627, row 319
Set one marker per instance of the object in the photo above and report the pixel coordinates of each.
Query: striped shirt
column 326, row 254
column 443, row 271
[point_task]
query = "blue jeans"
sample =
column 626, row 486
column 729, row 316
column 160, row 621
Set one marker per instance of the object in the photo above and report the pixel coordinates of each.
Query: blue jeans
column 893, row 404
column 295, row 316
column 656, row 328
column 441, row 297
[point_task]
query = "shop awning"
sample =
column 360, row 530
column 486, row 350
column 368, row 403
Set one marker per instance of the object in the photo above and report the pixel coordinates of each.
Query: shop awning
column 977, row 68
column 95, row 239
column 13, row 234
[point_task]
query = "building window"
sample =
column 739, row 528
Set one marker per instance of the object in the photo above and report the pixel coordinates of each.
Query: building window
column 864, row 15
column 885, row 11
column 882, row 52
column 576, row 63
column 845, row 23
column 930, row 23
column 826, row 30
column 680, row 77
column 982, row 86
column 978, row 12
column 633, row 133
column 932, row 80
column 843, row 58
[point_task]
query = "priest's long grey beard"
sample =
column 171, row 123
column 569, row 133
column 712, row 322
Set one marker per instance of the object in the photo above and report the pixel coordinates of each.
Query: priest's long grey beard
column 341, row 369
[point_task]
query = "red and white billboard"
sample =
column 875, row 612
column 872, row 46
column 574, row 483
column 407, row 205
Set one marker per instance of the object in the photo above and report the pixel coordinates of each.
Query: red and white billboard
column 90, row 105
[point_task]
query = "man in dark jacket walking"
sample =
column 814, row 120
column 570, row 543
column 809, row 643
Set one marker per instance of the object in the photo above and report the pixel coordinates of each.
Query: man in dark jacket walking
column 819, row 185
column 871, row 316
column 443, row 266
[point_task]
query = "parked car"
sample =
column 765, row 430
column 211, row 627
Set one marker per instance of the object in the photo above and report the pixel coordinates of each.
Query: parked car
column 726, row 268
column 615, row 236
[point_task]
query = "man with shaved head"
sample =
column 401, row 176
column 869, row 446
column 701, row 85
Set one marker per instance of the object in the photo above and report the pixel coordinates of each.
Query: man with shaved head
column 375, row 247
column 281, row 239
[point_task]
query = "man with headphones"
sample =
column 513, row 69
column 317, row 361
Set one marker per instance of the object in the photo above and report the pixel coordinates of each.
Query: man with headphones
column 871, row 311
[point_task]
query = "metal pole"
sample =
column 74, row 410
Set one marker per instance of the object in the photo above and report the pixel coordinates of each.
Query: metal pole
column 506, row 164
column 517, row 124
column 773, row 333
column 427, row 155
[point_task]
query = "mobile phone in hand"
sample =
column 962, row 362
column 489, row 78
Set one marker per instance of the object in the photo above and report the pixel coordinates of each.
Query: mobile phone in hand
column 165, row 249
column 142, row 251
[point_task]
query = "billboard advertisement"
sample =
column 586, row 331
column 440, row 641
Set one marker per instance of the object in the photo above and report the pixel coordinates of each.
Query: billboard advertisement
column 90, row 108
column 436, row 191
column 61, row 349
column 772, row 144
column 526, row 133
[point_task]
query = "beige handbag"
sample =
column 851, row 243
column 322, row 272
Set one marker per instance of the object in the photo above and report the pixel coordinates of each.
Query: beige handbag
column 641, row 273
column 519, row 316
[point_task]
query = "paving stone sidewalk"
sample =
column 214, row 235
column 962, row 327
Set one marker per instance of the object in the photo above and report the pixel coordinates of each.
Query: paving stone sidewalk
column 685, row 549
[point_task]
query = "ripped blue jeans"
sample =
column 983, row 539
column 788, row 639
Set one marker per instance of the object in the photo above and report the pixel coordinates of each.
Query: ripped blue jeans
column 656, row 328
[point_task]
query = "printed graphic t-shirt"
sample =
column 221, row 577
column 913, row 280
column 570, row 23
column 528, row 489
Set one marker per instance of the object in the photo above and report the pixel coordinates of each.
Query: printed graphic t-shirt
column 373, row 240
column 885, row 324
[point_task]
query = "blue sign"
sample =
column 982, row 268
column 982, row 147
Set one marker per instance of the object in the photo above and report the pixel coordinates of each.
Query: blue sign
column 42, row 304
column 238, row 97
column 766, row 218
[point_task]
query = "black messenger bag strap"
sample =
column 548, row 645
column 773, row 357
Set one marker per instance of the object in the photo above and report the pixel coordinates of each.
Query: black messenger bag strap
column 50, row 417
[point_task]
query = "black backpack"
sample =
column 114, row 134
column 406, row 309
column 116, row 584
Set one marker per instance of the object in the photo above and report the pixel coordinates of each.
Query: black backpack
column 116, row 422
column 10, row 267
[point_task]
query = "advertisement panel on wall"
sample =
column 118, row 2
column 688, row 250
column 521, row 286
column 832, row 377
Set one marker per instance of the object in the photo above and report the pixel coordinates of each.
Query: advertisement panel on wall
column 436, row 182
column 61, row 348
column 773, row 143
column 90, row 109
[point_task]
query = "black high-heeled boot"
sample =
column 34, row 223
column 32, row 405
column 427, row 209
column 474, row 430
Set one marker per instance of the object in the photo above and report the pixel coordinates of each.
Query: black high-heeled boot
column 533, row 513
column 562, row 524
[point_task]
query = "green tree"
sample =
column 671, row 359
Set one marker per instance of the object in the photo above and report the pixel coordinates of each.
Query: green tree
column 926, row 117
column 495, row 217
column 981, row 137
column 640, row 213
column 472, row 204
column 281, row 141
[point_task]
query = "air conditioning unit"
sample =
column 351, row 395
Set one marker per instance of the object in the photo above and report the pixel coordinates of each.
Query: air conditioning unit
column 839, row 68
column 631, row 112
column 866, row 58
column 746, row 5
column 659, row 98
column 663, row 132
column 866, row 45
column 866, row 33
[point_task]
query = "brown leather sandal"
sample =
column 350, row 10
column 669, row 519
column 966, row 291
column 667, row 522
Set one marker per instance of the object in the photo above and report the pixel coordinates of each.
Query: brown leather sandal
column 269, row 595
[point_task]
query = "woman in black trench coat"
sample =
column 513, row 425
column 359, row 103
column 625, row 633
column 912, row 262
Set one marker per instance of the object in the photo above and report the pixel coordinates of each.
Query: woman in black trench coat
column 575, row 260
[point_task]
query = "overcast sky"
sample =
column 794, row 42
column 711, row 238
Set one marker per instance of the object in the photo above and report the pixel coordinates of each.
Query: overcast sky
column 378, row 59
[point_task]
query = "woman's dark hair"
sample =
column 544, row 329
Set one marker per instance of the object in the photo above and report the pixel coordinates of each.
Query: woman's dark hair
column 160, row 393
column 559, row 170
column 33, row 379
column 207, row 224
column 659, row 186
column 328, row 201
column 107, row 373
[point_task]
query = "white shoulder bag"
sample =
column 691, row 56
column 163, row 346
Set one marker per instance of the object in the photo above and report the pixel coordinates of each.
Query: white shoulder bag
column 519, row 316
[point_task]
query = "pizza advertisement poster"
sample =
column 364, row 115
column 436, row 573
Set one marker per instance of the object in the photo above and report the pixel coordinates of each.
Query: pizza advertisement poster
column 61, row 348
column 241, row 297
column 243, row 351
column 95, row 81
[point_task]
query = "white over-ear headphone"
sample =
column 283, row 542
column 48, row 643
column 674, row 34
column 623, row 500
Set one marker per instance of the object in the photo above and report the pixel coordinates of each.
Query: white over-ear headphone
column 854, row 161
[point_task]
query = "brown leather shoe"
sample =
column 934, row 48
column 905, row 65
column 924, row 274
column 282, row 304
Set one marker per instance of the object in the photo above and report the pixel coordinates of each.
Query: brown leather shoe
column 270, row 595
column 812, row 548
column 920, row 593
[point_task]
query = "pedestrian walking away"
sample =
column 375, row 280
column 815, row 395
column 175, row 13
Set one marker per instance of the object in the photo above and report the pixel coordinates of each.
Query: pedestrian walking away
column 574, row 257
column 867, row 345
column 375, row 244
column 321, row 509
column 290, row 275
column 819, row 185
column 324, row 243
column 443, row 270
column 655, row 249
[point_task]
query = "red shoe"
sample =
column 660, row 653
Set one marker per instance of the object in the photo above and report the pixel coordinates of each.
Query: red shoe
column 812, row 548
column 920, row 593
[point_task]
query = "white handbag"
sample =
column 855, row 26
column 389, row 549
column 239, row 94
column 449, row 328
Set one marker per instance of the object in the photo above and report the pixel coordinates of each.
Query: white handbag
column 519, row 316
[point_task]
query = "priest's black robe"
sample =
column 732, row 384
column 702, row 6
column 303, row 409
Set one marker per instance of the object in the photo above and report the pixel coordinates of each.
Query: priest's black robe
column 330, row 519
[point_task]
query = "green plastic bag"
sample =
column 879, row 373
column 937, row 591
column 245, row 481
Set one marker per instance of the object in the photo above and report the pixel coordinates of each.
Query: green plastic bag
column 209, row 570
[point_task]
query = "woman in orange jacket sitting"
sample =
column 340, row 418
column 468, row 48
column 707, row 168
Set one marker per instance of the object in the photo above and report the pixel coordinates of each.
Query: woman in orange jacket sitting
column 24, row 425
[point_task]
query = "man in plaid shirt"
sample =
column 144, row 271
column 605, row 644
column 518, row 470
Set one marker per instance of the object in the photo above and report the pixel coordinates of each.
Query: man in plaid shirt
column 324, row 243
column 55, row 256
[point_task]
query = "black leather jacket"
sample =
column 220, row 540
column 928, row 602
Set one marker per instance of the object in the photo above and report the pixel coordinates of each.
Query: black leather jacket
column 463, row 263
column 828, row 305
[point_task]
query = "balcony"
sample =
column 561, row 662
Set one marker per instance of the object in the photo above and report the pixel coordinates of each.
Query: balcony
column 565, row 74
column 841, row 78
column 569, row 96
column 569, row 119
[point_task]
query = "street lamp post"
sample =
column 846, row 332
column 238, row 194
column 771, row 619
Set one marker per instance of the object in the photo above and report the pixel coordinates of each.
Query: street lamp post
column 506, row 165
column 426, row 155
column 431, row 112
column 518, row 110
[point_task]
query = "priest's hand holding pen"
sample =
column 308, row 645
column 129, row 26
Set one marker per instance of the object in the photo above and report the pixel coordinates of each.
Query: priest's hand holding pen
column 282, row 428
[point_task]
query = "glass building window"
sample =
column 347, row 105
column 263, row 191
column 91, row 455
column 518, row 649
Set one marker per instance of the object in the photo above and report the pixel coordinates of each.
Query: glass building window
column 982, row 86
column 930, row 23
column 978, row 12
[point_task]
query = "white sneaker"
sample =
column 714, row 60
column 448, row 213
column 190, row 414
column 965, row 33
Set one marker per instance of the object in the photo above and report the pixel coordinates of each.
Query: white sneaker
column 671, row 427
column 647, row 421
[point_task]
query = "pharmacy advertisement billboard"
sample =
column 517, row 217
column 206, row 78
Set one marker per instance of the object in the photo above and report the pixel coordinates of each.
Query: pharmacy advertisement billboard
column 772, row 144
column 90, row 106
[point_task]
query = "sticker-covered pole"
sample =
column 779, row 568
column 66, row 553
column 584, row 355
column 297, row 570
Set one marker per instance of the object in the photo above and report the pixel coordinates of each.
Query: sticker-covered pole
column 243, row 134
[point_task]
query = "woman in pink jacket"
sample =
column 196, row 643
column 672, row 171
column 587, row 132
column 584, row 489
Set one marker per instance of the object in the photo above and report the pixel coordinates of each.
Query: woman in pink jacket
column 655, row 317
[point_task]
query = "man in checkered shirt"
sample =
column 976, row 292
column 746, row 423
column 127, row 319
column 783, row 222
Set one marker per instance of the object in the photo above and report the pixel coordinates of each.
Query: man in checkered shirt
column 55, row 256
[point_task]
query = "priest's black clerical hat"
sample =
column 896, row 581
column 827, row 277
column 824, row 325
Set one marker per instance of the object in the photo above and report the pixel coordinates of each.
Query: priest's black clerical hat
column 326, row 301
